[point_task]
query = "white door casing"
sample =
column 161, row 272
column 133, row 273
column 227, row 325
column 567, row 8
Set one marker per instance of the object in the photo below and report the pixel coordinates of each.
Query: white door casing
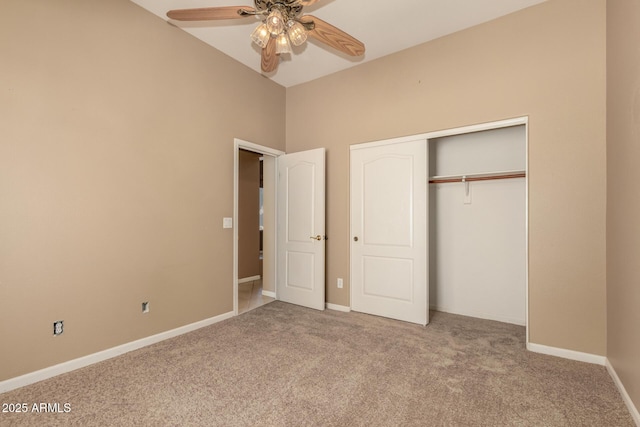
column 269, row 263
column 301, row 228
column 389, row 227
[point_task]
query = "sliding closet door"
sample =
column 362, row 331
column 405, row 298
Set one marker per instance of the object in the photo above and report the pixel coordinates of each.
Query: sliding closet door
column 389, row 230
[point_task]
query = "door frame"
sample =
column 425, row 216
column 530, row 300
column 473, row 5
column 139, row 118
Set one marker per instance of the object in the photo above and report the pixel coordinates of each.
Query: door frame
column 239, row 144
column 516, row 121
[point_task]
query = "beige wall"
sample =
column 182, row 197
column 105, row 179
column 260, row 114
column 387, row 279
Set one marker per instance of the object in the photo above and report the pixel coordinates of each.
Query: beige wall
column 623, row 192
column 116, row 169
column 249, row 264
column 546, row 62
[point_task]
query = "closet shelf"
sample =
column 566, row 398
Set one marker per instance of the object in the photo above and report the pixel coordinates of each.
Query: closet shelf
column 441, row 179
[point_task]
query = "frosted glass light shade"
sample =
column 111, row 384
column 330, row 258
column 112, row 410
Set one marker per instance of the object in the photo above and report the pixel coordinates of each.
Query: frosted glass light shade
column 297, row 33
column 282, row 44
column 275, row 22
column 260, row 35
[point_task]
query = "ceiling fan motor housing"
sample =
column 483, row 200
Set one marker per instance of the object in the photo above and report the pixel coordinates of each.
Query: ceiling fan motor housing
column 290, row 9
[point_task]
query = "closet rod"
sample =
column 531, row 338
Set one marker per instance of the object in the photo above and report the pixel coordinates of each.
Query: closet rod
column 476, row 178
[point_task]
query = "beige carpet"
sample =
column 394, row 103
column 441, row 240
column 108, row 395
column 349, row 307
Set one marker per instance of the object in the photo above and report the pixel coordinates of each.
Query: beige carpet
column 283, row 365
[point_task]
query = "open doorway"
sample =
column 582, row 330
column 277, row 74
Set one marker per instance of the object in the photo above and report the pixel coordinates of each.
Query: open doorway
column 254, row 274
column 251, row 232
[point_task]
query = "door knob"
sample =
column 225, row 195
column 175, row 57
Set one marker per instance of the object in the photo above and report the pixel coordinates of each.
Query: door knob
column 355, row 239
column 318, row 237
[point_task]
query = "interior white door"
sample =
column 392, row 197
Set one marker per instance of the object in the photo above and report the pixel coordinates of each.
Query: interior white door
column 389, row 226
column 301, row 228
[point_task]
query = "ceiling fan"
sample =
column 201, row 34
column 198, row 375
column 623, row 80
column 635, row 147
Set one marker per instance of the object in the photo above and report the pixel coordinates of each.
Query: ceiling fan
column 282, row 24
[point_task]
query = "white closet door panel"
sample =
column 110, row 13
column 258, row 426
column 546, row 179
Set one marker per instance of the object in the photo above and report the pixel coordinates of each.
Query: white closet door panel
column 389, row 220
column 378, row 272
column 387, row 197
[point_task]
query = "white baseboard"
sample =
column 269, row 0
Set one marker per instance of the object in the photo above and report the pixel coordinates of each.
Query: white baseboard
column 268, row 294
column 623, row 392
column 567, row 354
column 81, row 362
column 249, row 279
column 337, row 307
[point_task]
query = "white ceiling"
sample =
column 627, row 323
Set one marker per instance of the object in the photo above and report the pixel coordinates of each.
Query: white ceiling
column 384, row 27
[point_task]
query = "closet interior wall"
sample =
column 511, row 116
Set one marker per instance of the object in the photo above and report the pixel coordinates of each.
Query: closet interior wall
column 477, row 230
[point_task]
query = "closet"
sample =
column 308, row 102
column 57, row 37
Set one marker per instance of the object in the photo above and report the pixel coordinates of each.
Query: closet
column 477, row 224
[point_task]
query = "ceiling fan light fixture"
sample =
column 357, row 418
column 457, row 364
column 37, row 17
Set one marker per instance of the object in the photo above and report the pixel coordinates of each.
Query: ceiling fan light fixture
column 297, row 33
column 283, row 25
column 261, row 35
column 275, row 22
column 282, row 44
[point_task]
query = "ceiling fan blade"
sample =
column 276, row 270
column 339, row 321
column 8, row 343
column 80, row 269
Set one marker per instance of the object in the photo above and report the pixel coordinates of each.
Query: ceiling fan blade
column 307, row 2
column 333, row 36
column 211, row 13
column 269, row 60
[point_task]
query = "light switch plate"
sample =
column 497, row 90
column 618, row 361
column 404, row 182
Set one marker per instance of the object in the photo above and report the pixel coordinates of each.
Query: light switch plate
column 227, row 222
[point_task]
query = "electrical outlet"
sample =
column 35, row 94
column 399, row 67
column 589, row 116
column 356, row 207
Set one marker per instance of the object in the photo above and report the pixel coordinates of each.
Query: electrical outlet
column 58, row 327
column 340, row 283
column 145, row 307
